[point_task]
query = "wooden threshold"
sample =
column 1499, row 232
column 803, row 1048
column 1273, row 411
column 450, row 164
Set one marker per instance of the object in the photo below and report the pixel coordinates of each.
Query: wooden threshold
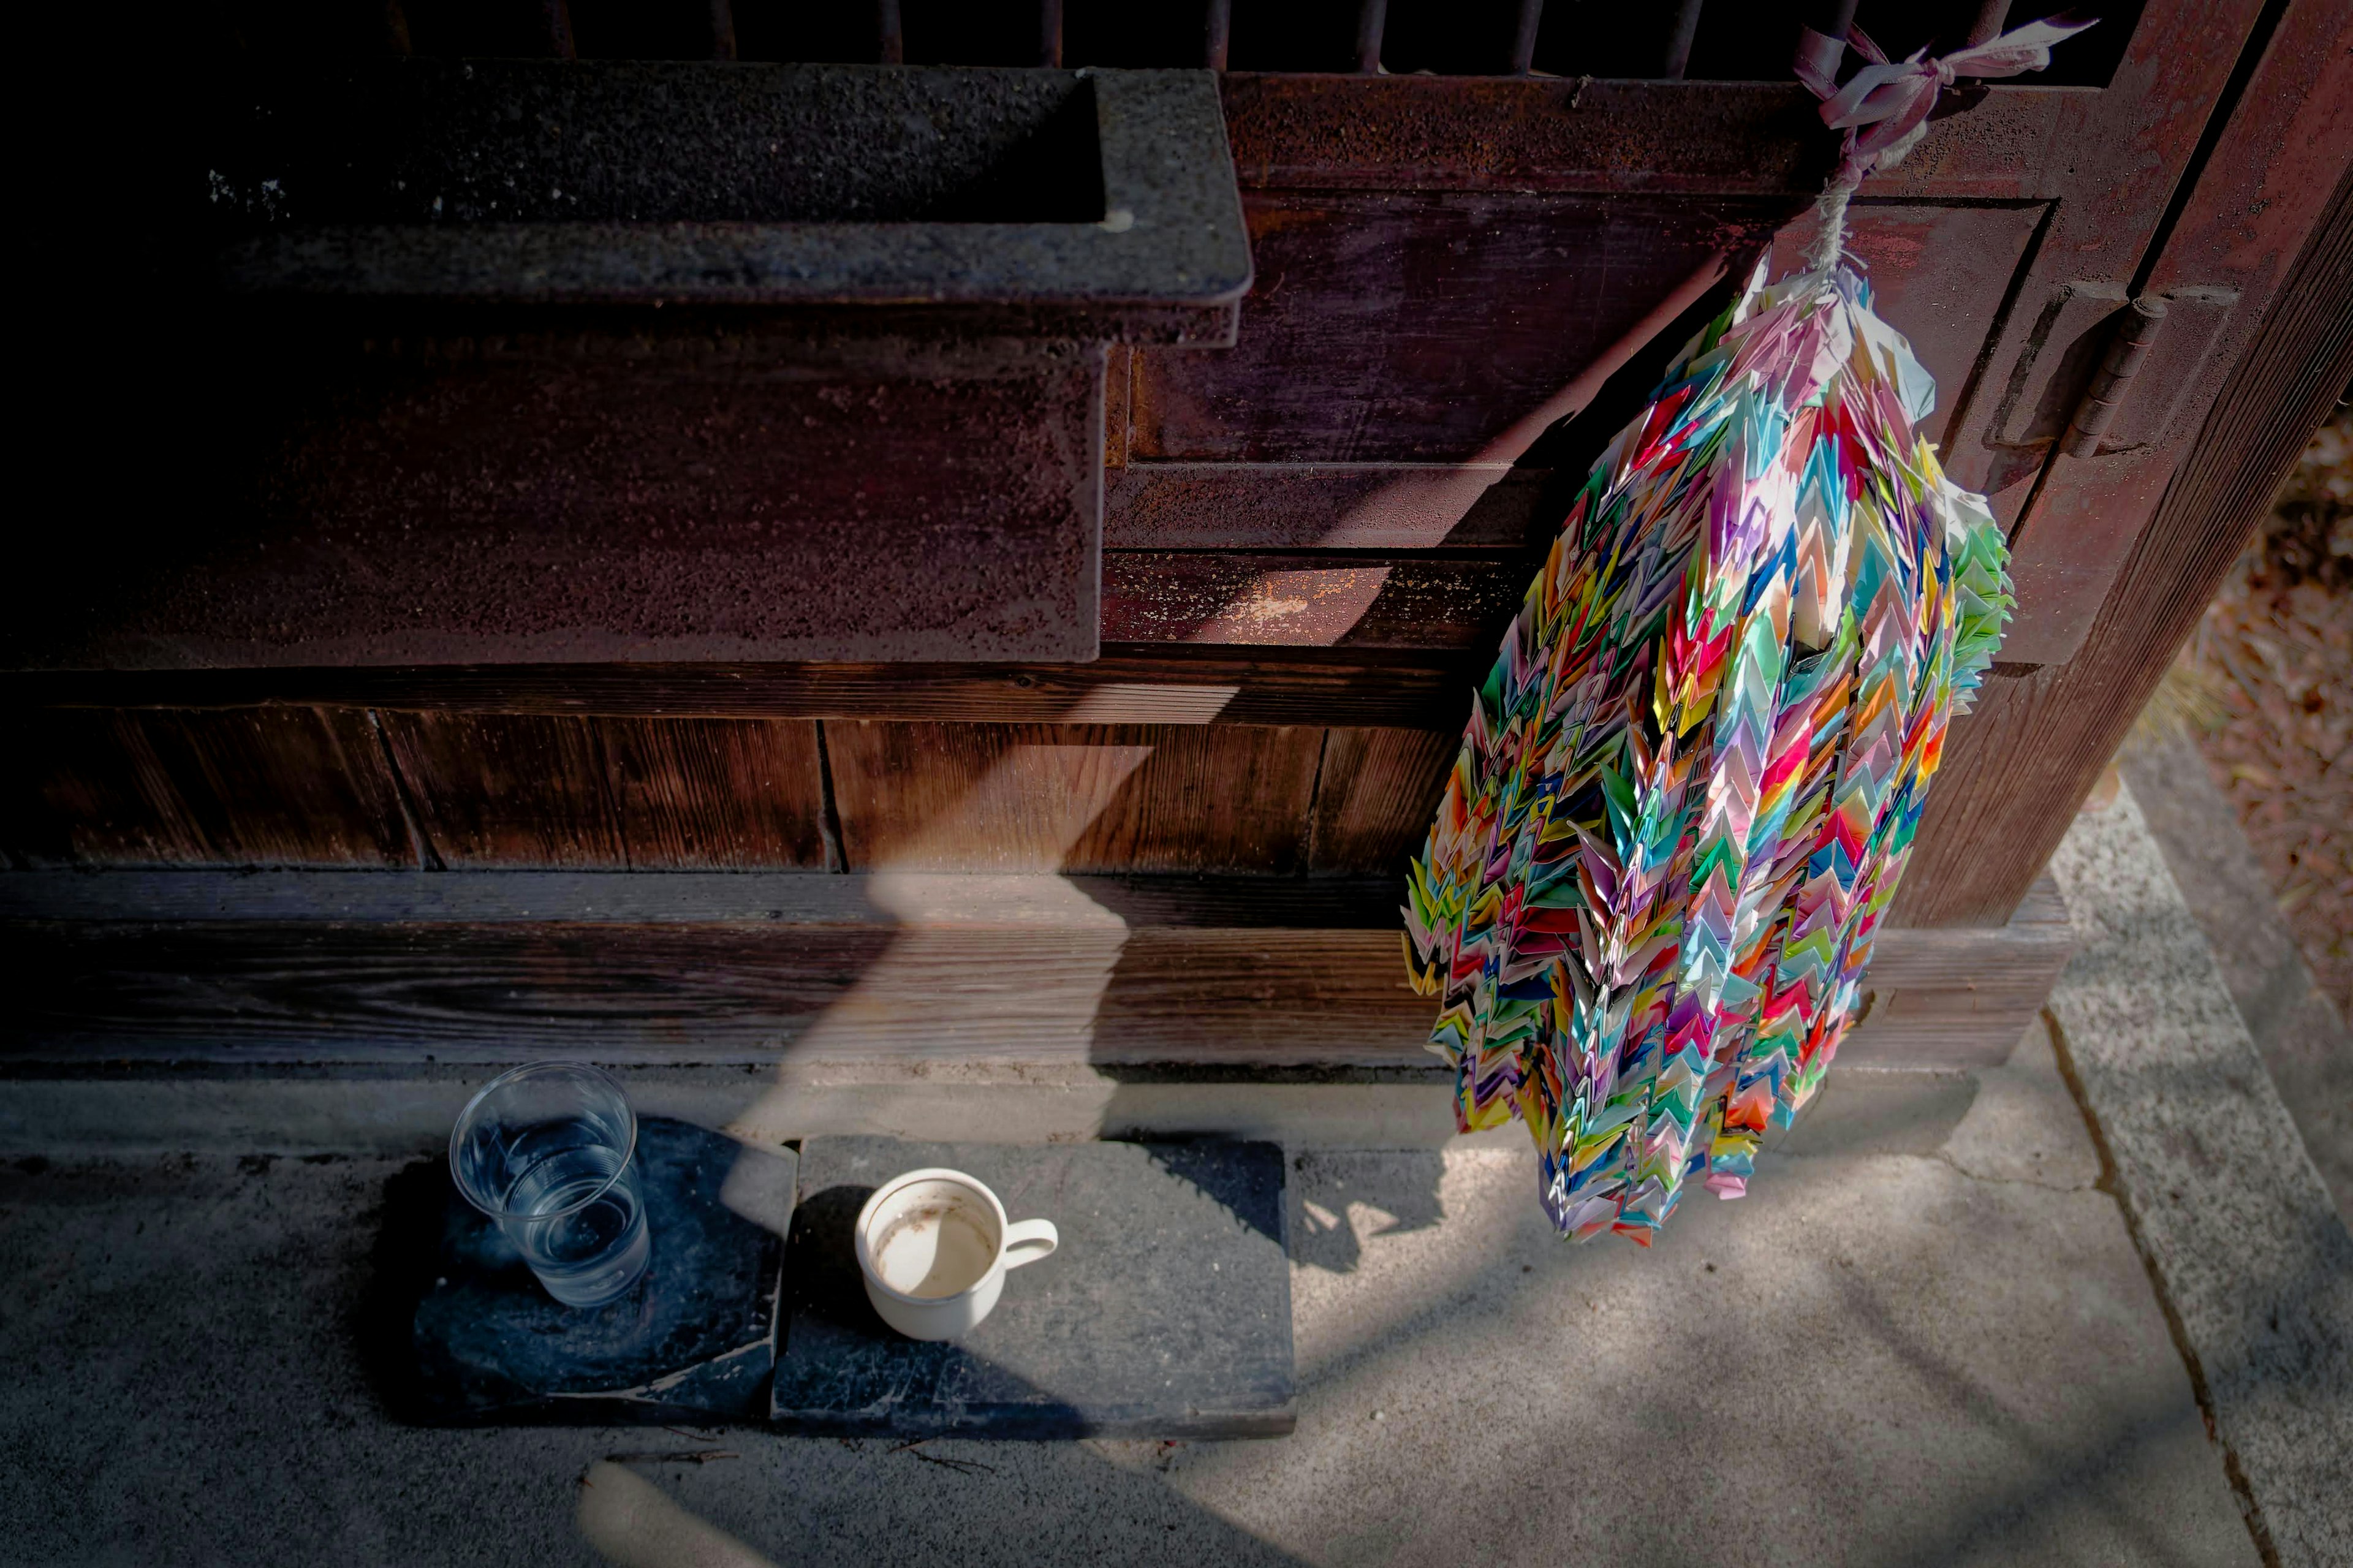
column 1129, row 685
column 384, row 969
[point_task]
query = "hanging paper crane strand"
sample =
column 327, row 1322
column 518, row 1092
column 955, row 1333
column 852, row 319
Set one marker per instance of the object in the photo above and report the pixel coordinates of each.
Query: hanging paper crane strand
column 1690, row 782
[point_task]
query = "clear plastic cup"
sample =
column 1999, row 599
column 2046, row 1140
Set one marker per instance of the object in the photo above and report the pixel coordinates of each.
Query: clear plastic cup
column 549, row 1152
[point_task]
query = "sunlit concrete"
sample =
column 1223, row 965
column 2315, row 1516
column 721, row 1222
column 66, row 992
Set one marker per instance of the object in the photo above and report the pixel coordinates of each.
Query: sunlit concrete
column 1926, row 1340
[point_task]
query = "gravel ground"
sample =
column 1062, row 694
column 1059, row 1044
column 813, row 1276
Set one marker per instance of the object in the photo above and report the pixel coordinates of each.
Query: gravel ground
column 2267, row 688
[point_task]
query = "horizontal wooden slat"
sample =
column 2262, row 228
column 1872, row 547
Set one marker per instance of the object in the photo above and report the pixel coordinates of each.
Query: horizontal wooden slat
column 1417, row 688
column 1456, row 133
column 1368, row 601
column 697, row 897
column 1336, row 506
column 1005, row 969
column 284, row 785
column 1080, row 798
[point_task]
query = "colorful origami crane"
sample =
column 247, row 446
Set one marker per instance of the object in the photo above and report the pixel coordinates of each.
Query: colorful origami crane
column 1690, row 783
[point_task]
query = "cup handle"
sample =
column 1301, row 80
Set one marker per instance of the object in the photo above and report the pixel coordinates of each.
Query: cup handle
column 1029, row 1240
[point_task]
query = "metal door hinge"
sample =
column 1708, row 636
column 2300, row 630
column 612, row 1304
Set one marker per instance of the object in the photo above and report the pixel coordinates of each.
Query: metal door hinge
column 2139, row 323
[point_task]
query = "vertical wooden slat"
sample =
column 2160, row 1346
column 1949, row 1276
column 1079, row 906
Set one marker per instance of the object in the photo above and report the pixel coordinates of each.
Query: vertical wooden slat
column 284, row 786
column 722, row 29
column 507, row 789
column 251, row 786
column 84, row 786
column 1050, row 33
column 1209, row 799
column 1119, row 378
column 1073, row 797
column 1524, row 28
column 1379, row 788
column 556, row 15
column 1372, row 22
column 716, row 794
column 1216, row 33
column 891, row 48
column 1992, row 16
column 1683, row 26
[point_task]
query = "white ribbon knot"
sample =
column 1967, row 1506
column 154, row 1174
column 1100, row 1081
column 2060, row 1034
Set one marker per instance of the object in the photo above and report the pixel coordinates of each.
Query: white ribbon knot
column 1887, row 104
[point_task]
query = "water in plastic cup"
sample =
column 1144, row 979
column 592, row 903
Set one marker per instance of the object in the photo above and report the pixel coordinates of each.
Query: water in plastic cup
column 548, row 1151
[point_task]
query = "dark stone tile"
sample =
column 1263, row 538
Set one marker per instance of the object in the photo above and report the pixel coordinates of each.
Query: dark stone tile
column 694, row 1341
column 1166, row 1312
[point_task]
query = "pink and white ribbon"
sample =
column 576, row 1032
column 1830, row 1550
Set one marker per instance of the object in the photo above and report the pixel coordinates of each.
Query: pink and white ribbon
column 1886, row 105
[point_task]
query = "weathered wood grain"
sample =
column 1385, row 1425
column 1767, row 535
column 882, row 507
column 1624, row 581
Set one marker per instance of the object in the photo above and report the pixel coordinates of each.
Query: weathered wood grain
column 1435, row 133
column 692, row 792
column 1068, row 984
column 1380, row 789
column 2016, row 770
column 508, row 789
column 693, row 897
column 274, row 786
column 1348, row 601
column 1331, row 506
column 1423, row 327
column 1073, row 797
column 1135, row 684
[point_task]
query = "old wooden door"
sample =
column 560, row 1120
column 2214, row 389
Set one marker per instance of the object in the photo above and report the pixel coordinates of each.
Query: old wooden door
column 1313, row 538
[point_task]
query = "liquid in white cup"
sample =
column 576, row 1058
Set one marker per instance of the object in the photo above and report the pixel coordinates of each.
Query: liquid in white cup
column 934, row 1247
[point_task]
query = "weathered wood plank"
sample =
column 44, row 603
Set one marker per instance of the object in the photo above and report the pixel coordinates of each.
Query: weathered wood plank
column 1160, row 684
column 274, row 786
column 1331, row 506
column 507, row 789
column 694, row 792
column 1424, row 327
column 1070, row 982
column 1073, row 797
column 689, row 897
column 2016, row 770
column 1379, row 792
column 1353, row 602
column 1410, row 132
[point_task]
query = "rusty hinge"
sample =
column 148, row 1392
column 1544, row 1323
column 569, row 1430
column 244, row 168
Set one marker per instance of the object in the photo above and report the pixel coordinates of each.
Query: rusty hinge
column 2138, row 364
column 2127, row 349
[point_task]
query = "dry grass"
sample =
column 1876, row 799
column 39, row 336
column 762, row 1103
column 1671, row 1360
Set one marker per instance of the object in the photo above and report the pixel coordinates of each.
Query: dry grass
column 2266, row 689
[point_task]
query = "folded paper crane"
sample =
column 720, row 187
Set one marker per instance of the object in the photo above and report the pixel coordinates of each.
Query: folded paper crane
column 1690, row 782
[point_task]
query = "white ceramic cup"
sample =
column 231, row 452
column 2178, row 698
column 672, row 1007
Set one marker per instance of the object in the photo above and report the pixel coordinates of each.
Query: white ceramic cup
column 934, row 1247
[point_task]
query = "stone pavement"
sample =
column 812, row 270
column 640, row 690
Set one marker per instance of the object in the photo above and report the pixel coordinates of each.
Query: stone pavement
column 1924, row 1338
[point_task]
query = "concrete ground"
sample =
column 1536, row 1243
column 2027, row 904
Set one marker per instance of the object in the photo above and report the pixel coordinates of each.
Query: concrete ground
column 1926, row 1337
column 2303, row 1043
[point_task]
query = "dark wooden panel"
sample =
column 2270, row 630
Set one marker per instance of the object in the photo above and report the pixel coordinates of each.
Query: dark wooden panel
column 1344, row 601
column 2112, row 160
column 1422, row 327
column 1333, row 506
column 261, row 787
column 85, row 787
column 1073, row 797
column 606, row 496
column 1379, row 792
column 2016, row 770
column 507, row 789
column 1159, row 684
column 693, row 793
column 1392, row 132
column 2289, row 142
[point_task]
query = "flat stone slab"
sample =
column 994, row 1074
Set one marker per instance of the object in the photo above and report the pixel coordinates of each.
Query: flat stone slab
column 694, row 1340
column 1166, row 1313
